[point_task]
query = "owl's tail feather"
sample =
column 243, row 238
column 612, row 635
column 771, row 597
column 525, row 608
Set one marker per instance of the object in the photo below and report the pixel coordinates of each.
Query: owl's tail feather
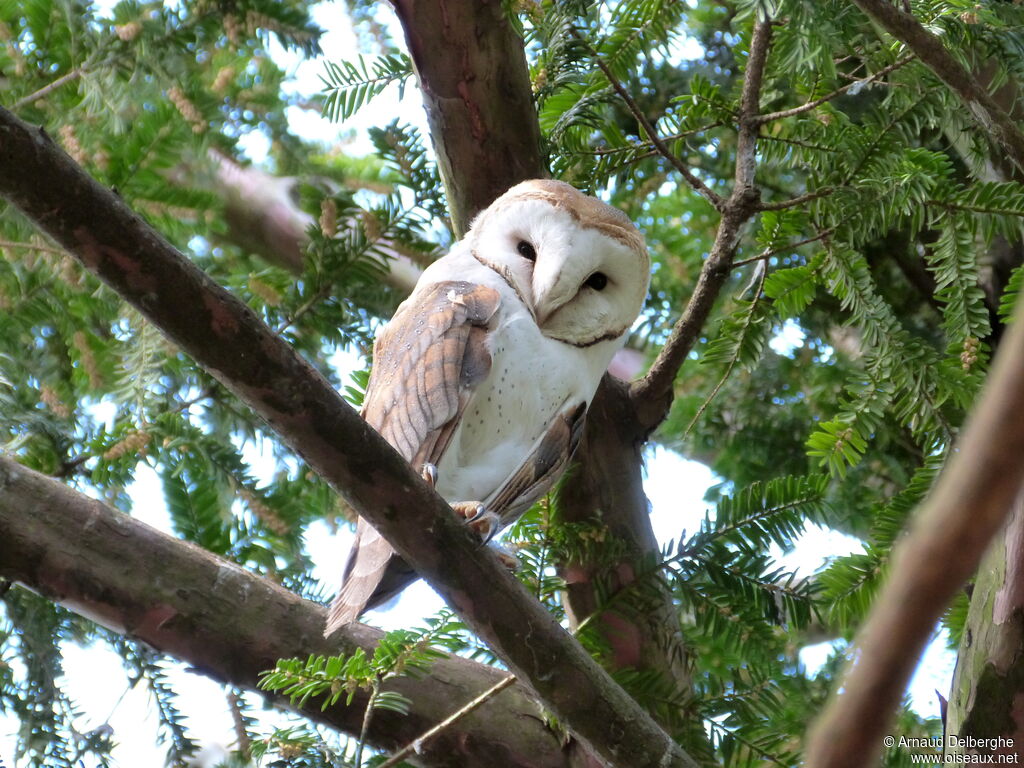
column 373, row 575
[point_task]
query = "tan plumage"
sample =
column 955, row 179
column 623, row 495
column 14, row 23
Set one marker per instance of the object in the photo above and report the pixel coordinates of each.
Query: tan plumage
column 486, row 370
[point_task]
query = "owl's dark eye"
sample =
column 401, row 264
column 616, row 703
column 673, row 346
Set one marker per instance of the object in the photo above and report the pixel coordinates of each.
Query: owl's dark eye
column 526, row 251
column 597, row 281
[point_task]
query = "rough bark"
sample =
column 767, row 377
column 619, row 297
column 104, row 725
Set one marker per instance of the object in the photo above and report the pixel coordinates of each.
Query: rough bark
column 987, row 696
column 476, row 90
column 228, row 340
column 232, row 625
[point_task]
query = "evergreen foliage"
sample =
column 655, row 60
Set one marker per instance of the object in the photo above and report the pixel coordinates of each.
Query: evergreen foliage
column 893, row 243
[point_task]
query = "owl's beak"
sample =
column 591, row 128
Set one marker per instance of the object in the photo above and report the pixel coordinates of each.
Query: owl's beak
column 552, row 286
column 546, row 304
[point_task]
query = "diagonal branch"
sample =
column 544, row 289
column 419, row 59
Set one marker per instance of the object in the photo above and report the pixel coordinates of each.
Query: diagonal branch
column 929, row 49
column 49, row 88
column 232, row 624
column 768, row 253
column 793, row 202
column 653, row 393
column 949, row 535
column 227, row 338
column 418, row 743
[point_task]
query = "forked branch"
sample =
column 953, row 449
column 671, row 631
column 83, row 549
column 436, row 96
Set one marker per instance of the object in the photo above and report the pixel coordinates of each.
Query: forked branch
column 653, row 393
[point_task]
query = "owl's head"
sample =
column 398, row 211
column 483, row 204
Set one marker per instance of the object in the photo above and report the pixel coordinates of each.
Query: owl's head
column 579, row 264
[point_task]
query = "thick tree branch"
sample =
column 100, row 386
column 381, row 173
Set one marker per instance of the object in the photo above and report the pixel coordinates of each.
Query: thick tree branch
column 653, row 394
column 929, row 49
column 231, row 624
column 949, row 535
column 472, row 68
column 228, row 340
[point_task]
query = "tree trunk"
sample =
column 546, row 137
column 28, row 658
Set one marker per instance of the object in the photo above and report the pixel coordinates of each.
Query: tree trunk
column 476, row 90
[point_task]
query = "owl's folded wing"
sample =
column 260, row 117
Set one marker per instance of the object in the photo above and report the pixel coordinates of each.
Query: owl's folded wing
column 543, row 466
column 426, row 364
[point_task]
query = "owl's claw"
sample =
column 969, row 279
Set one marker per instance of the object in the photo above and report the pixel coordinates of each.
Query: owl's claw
column 483, row 522
column 429, row 474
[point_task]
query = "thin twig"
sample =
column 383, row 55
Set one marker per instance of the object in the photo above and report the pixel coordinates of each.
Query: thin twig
column 46, row 90
column 797, row 143
column 782, row 205
column 242, row 738
column 768, row 253
column 320, row 295
column 638, row 114
column 603, row 152
column 364, row 731
column 732, row 362
column 782, row 113
column 417, row 744
column 32, row 247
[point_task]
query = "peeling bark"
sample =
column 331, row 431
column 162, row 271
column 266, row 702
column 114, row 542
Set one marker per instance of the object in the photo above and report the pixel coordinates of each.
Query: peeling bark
column 987, row 696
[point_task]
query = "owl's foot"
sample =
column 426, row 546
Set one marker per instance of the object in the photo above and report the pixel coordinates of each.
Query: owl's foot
column 483, row 522
column 506, row 556
column 429, row 474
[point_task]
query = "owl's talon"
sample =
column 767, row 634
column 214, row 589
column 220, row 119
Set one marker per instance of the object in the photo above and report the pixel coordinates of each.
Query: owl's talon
column 483, row 522
column 429, row 474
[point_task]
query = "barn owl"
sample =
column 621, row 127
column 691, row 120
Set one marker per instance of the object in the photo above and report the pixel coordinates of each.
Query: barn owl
column 483, row 377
